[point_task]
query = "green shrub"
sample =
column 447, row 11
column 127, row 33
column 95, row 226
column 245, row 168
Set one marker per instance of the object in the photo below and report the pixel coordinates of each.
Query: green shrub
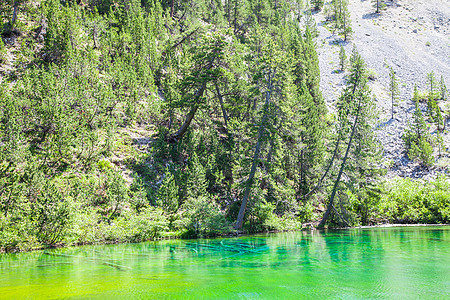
column 52, row 214
column 167, row 197
column 149, row 224
column 2, row 51
column 421, row 151
column 372, row 74
column 415, row 201
column 261, row 217
column 201, row 217
column 86, row 228
column 306, row 212
column 16, row 234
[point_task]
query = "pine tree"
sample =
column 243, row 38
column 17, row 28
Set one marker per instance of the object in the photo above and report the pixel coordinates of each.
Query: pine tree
column 261, row 10
column 311, row 104
column 341, row 17
column 355, row 114
column 312, row 154
column 393, row 90
column 196, row 184
column 432, row 82
column 434, row 111
column 443, row 89
column 317, row 4
column 311, row 70
column 419, row 125
column 237, row 15
column 337, row 17
column 342, row 58
column 346, row 21
column 378, row 5
column 272, row 80
column 416, row 137
column 167, row 197
column 438, row 119
column 444, row 98
column 208, row 59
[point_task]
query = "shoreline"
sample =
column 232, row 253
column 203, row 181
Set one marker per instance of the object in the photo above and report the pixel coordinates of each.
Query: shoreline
column 229, row 235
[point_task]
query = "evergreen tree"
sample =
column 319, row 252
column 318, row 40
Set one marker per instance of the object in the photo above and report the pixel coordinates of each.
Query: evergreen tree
column 311, row 72
column 208, row 59
column 444, row 97
column 346, row 29
column 196, row 184
column 378, row 5
column 317, row 4
column 393, row 90
column 432, row 82
column 443, row 89
column 434, row 111
column 336, row 12
column 237, row 15
column 341, row 18
column 306, row 77
column 342, row 58
column 355, row 116
column 416, row 136
column 272, row 80
column 167, row 197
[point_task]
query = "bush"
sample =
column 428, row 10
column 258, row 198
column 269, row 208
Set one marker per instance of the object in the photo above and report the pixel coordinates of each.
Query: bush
column 262, row 218
column 86, row 228
column 201, row 217
column 415, row 201
column 421, row 151
column 372, row 74
column 149, row 224
column 168, row 193
column 16, row 234
column 306, row 212
column 2, row 51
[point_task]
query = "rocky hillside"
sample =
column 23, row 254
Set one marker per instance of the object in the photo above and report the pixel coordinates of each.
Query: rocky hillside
column 412, row 37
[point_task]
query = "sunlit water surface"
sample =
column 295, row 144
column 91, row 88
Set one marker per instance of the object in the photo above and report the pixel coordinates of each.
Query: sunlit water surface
column 376, row 263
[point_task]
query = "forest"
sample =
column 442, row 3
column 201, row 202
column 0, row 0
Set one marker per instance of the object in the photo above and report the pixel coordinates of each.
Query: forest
column 133, row 120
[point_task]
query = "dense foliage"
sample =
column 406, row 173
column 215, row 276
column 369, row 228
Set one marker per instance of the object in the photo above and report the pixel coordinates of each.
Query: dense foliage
column 135, row 119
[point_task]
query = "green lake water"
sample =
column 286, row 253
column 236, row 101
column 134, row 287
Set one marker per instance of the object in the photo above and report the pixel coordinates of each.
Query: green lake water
column 375, row 263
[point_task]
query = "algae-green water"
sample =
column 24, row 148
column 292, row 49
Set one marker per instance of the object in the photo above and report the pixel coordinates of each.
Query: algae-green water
column 375, row 263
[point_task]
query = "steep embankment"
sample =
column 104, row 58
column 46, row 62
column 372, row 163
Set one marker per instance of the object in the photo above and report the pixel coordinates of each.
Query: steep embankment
column 412, row 37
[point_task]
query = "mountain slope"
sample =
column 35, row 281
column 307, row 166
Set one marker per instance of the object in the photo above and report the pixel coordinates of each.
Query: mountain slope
column 411, row 37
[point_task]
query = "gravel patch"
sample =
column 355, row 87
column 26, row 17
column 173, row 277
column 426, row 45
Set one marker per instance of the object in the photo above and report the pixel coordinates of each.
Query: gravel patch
column 411, row 36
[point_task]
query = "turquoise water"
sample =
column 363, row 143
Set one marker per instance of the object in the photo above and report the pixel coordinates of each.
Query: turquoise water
column 375, row 263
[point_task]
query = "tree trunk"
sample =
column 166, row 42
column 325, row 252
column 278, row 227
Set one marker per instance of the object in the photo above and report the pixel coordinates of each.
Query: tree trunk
column 240, row 218
column 341, row 170
column 171, row 9
column 333, row 157
column 302, row 183
column 94, row 36
column 326, row 171
column 392, row 110
column 224, row 112
column 14, row 17
column 190, row 116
